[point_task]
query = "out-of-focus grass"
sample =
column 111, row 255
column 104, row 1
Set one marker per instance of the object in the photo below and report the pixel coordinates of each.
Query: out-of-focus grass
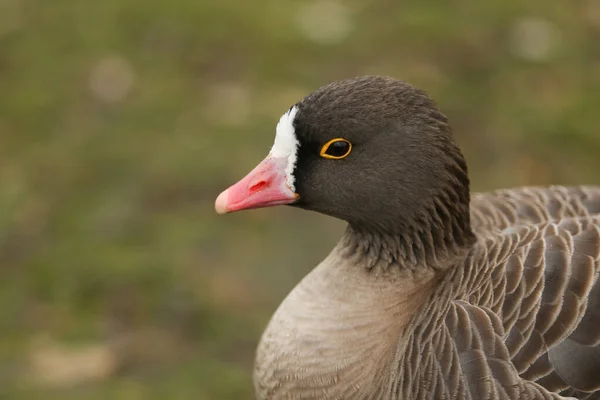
column 120, row 121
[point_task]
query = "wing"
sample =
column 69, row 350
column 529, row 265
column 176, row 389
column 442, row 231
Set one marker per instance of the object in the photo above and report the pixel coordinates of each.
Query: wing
column 501, row 209
column 465, row 358
column 542, row 302
column 522, row 320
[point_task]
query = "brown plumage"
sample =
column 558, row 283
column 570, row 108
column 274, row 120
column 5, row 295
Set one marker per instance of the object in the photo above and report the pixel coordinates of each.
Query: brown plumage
column 430, row 294
column 522, row 315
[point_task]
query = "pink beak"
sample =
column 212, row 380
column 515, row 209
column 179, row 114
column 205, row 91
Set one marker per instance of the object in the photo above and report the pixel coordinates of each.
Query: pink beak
column 265, row 186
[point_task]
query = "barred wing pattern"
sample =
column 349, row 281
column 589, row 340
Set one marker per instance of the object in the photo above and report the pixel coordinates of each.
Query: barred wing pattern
column 494, row 211
column 529, row 327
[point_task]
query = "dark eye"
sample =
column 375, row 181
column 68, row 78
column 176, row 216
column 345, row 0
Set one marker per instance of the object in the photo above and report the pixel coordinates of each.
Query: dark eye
column 336, row 149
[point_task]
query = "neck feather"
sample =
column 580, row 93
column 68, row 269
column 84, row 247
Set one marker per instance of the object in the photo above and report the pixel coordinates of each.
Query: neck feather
column 440, row 235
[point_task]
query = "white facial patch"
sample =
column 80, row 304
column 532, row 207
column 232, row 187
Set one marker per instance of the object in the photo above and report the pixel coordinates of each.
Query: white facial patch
column 286, row 144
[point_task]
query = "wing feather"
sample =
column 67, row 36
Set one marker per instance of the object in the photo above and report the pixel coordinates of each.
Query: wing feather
column 550, row 308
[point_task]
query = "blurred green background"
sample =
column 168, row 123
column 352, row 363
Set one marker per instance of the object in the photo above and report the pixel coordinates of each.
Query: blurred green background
column 121, row 120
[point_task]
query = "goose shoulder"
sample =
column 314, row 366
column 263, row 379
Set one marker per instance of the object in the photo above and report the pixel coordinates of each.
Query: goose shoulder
column 526, row 314
column 507, row 208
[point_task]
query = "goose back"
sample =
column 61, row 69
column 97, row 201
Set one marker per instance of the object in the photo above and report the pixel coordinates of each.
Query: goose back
column 522, row 312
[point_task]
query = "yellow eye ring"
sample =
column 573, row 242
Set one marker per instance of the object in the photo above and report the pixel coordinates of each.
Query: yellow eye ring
column 336, row 149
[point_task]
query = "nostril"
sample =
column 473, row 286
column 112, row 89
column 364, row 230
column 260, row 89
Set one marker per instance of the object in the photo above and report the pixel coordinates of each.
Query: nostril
column 258, row 186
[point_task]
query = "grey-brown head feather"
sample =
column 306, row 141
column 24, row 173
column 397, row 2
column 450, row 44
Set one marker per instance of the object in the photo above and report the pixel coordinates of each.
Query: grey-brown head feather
column 405, row 177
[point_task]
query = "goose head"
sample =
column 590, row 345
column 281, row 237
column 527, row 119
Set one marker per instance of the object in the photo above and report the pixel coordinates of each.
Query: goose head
column 373, row 151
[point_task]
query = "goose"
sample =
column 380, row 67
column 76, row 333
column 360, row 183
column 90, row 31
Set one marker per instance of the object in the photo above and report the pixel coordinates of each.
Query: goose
column 431, row 292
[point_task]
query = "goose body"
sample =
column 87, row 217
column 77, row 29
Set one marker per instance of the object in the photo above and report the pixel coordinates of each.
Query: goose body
column 431, row 293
